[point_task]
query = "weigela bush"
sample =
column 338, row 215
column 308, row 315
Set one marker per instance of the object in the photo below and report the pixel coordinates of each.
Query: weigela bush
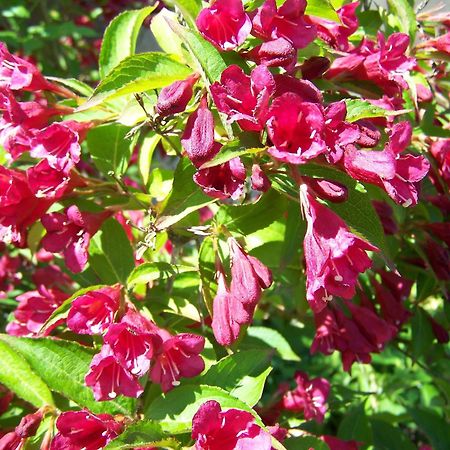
column 240, row 241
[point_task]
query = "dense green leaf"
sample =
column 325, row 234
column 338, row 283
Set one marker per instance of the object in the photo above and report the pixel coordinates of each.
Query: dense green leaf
column 137, row 73
column 62, row 365
column 109, row 147
column 404, row 13
column 305, row 443
column 142, row 434
column 185, row 198
column 17, row 375
column 268, row 338
column 120, row 37
column 434, row 426
column 422, row 334
column 230, row 151
column 388, row 437
column 355, row 425
column 147, row 272
column 174, row 411
column 110, row 253
column 242, row 374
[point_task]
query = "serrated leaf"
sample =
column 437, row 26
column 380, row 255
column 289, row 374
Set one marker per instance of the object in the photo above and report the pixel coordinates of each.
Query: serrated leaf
column 17, row 375
column 142, row 434
column 153, row 271
column 174, row 411
column 185, row 198
column 74, row 85
column 268, row 338
column 137, row 73
column 404, row 13
column 110, row 253
column 109, row 147
column 322, row 8
column 62, row 365
column 242, row 374
column 120, row 37
column 189, row 8
column 230, row 151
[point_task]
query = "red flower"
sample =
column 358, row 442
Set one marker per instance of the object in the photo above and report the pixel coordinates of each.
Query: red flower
column 260, row 181
column 338, row 444
column 440, row 150
column 276, row 53
column 309, row 397
column 47, row 182
column 225, row 24
column 334, row 256
column 214, row 429
column 93, row 312
column 83, row 430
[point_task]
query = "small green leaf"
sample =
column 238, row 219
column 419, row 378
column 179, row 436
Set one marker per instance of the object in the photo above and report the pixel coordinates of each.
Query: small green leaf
column 230, row 151
column 355, row 425
column 189, row 8
column 137, row 73
column 323, row 9
column 73, row 84
column 142, row 434
column 119, row 40
column 207, row 270
column 268, row 338
column 404, row 13
column 109, row 147
column 422, row 334
column 362, row 109
column 305, row 443
column 146, row 150
column 62, row 365
column 17, row 375
column 185, row 198
column 174, row 411
column 110, row 253
column 153, row 271
column 242, row 374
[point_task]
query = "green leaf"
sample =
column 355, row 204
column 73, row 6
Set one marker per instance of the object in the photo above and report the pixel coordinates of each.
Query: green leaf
column 207, row 270
column 137, row 73
column 62, row 311
column 189, row 8
column 17, row 375
column 268, row 338
column 153, row 271
column 62, row 365
column 73, row 84
column 434, row 426
column 422, row 334
column 305, row 443
column 185, row 198
column 120, row 37
column 110, row 253
column 146, row 150
column 109, row 148
column 388, row 437
column 230, row 151
column 355, row 425
column 174, row 411
column 322, row 8
column 362, row 109
column 404, row 13
column 242, row 374
column 142, row 434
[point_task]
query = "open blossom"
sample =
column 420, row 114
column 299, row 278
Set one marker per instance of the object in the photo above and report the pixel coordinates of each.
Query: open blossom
column 174, row 98
column 398, row 174
column 70, row 233
column 288, row 21
column 233, row 429
column 334, row 256
column 46, row 182
column 35, row 307
column 84, row 430
column 225, row 24
column 244, row 98
column 93, row 312
column 295, row 129
column 224, row 180
column 309, row 397
column 19, row 208
column 176, row 357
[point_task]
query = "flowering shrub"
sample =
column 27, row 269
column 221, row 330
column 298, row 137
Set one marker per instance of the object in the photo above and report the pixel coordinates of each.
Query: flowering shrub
column 238, row 242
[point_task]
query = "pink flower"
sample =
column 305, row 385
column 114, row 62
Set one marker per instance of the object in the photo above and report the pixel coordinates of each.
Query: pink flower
column 59, row 145
column 309, row 397
column 334, row 256
column 288, row 21
column 244, row 98
column 338, row 444
column 94, row 312
column 440, row 149
column 225, row 24
column 70, row 233
column 441, row 43
column 295, row 129
column 260, row 181
column 198, row 136
column 28, row 426
column 35, row 307
column 83, row 430
column 108, row 378
column 19, row 208
column 439, row 259
column 174, row 98
column 176, row 357
column 214, row 429
column 223, row 181
column 46, row 182
column 336, row 34
column 326, row 189
column 9, row 273
column 386, row 215
column 18, row 74
column 276, row 53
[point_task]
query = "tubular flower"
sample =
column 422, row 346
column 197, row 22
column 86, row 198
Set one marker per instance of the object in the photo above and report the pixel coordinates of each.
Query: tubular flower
column 234, row 429
column 225, row 24
column 334, row 256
